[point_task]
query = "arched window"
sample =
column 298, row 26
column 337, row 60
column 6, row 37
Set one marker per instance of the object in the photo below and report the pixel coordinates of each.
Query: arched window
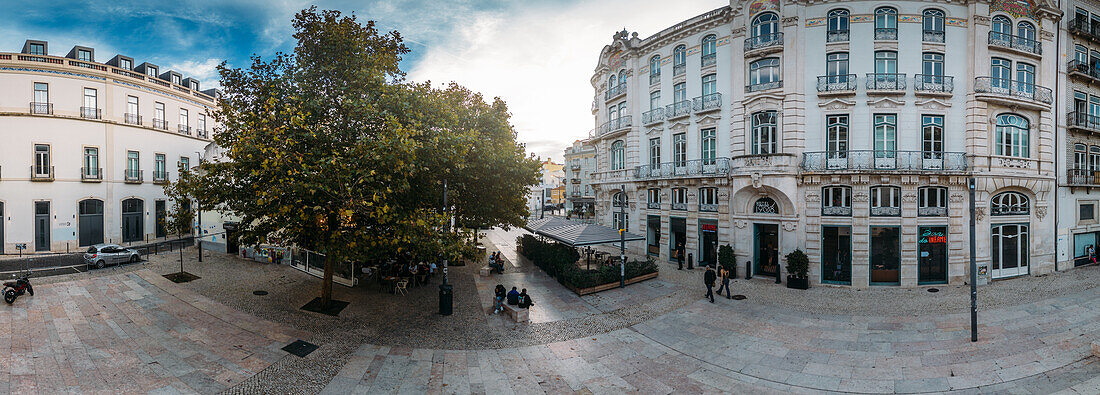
column 679, row 59
column 886, row 23
column 618, row 199
column 709, row 47
column 1080, row 156
column 836, row 201
column 611, row 83
column 764, row 74
column 1002, row 25
column 764, row 139
column 1013, row 135
column 765, row 205
column 618, row 155
column 1010, row 203
column 885, row 201
column 1025, row 30
column 838, row 26
column 622, row 79
column 933, row 26
column 1094, row 158
column 654, row 66
column 765, row 24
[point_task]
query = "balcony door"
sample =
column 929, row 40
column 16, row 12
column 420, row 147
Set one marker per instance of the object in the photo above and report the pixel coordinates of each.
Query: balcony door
column 42, row 160
column 41, row 226
column 932, row 142
column 836, row 142
column 886, row 141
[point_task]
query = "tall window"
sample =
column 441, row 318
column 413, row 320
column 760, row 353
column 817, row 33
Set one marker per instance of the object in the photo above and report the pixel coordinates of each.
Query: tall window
column 764, row 73
column 655, row 152
column 1000, row 73
column 158, row 116
column 709, row 144
column 836, row 201
column 708, row 199
column 185, row 164
column 836, row 140
column 133, row 164
column 1081, row 55
column 1025, row 30
column 131, row 109
column 622, row 80
column 1080, row 157
column 679, row 149
column 1012, row 135
column 202, row 124
column 886, row 24
column 710, row 84
column 159, row 166
column 679, row 59
column 91, row 162
column 41, row 93
column 1094, row 158
column 932, row 136
column 91, row 104
column 679, row 92
column 710, row 46
column 885, row 201
column 679, row 198
column 612, row 82
column 42, row 165
column 838, row 26
column 836, row 66
column 655, row 69
column 933, row 26
column 183, row 119
column 654, row 195
column 933, row 64
column 764, row 139
column 886, row 62
column 618, row 155
column 1025, row 77
column 932, row 202
column 886, row 139
column 765, row 24
column 654, row 100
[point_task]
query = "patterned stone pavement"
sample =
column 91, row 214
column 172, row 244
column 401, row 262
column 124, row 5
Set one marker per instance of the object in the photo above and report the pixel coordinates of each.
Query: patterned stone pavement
column 130, row 333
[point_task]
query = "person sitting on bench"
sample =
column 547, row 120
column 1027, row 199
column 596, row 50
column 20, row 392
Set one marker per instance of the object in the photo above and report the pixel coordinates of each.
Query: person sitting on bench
column 525, row 301
column 513, row 297
column 497, row 263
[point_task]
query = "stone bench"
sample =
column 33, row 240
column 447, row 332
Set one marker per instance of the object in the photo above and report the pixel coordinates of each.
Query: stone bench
column 518, row 314
column 485, row 271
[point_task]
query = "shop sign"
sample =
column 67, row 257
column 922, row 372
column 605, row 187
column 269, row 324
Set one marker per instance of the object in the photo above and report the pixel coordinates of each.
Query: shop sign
column 932, row 237
column 709, row 227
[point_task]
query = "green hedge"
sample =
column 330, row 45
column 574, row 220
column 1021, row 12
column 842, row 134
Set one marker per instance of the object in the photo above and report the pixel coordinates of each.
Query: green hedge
column 559, row 261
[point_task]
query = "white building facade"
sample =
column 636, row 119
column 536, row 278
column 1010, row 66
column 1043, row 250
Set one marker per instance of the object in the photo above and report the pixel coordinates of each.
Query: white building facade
column 580, row 162
column 88, row 145
column 846, row 129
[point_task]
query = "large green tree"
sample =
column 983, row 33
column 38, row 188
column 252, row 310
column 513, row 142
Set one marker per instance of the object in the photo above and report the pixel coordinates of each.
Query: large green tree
column 330, row 149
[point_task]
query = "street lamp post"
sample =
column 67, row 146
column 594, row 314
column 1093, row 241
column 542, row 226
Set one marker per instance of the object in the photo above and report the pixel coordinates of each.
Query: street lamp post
column 446, row 291
column 973, row 267
column 622, row 236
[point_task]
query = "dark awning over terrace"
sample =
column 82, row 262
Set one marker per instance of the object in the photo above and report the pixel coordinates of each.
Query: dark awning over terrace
column 577, row 234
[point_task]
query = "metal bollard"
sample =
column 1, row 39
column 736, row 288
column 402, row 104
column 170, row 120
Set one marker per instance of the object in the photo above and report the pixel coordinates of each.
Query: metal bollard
column 748, row 270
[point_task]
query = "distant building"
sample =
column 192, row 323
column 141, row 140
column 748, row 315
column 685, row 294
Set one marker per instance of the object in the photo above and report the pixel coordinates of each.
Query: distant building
column 580, row 161
column 551, row 176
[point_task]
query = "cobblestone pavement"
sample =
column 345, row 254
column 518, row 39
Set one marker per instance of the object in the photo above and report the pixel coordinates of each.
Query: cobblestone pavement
column 130, row 332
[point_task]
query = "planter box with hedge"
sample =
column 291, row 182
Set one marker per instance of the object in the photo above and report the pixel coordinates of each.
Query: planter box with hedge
column 797, row 266
column 559, row 261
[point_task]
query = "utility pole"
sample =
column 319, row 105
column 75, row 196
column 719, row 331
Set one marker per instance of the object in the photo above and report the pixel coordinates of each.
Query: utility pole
column 542, row 208
column 622, row 236
column 198, row 211
column 446, row 291
column 973, row 267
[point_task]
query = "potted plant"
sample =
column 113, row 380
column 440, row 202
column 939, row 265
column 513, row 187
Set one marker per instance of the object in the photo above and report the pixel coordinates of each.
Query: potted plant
column 727, row 260
column 797, row 266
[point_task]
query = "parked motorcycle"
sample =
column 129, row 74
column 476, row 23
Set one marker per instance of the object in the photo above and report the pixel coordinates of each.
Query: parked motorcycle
column 13, row 289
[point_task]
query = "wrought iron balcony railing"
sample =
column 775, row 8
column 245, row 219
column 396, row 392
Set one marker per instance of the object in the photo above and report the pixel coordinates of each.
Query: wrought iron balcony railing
column 885, row 211
column 679, row 69
column 836, row 211
column 41, row 108
column 1077, row 67
column 1084, row 121
column 160, row 124
column 1005, row 40
column 91, row 173
column 678, row 109
column 160, row 177
column 184, row 129
column 871, row 160
column 931, row 211
column 708, row 102
column 763, row 86
column 132, row 176
column 933, row 83
column 836, row 83
column 90, row 113
column 680, row 206
column 653, row 116
column 1084, row 27
column 201, row 133
column 933, row 36
column 708, row 208
column 684, row 169
column 132, row 119
column 655, row 78
column 615, row 91
column 1013, row 89
column 42, row 173
column 1083, row 177
column 885, row 81
column 763, row 41
column 834, row 36
column 622, row 122
column 886, row 33
column 653, row 205
column 708, row 60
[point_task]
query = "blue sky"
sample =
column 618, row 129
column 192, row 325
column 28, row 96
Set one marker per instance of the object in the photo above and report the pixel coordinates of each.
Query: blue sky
column 537, row 55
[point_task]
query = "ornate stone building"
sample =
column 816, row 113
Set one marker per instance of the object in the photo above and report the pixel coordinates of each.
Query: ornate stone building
column 846, row 129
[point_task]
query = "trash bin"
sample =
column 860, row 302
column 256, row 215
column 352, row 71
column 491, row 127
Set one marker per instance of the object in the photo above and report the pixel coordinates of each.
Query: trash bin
column 446, row 293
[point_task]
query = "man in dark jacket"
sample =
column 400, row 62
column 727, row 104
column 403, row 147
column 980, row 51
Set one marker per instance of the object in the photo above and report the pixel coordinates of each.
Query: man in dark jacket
column 708, row 279
column 513, row 297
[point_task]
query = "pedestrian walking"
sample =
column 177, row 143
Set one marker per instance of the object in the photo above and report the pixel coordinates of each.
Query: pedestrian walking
column 725, row 276
column 680, row 255
column 708, row 279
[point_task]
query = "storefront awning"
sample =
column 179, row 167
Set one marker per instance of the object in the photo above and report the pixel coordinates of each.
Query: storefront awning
column 579, row 235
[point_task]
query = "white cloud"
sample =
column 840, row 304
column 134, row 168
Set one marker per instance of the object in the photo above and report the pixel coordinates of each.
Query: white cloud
column 540, row 60
column 206, row 71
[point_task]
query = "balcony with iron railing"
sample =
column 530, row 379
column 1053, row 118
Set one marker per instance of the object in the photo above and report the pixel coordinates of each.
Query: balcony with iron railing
column 615, row 91
column 201, row 133
column 883, row 83
column 133, row 119
column 679, row 206
column 885, row 161
column 655, row 78
column 835, row 36
column 763, row 86
column 930, row 84
column 708, row 207
column 623, row 122
column 184, row 129
column 707, row 60
column 677, row 110
column 91, row 174
column 886, row 33
column 160, row 176
column 836, row 84
column 706, row 103
column 653, row 205
column 653, row 116
column 679, row 69
column 932, row 211
column 1082, row 70
column 1015, row 43
column 575, row 180
column 685, row 169
column 42, row 173
column 90, row 113
column 41, row 108
column 160, row 124
column 836, row 211
column 1083, row 177
column 1083, row 122
column 132, row 176
column 933, row 36
column 763, row 43
column 1083, row 27
column 1009, row 92
column 886, row 211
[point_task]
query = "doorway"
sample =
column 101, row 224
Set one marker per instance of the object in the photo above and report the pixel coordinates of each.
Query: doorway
column 1, row 227
column 41, row 226
column 766, row 241
column 678, row 238
column 885, row 255
column 91, row 222
column 161, row 218
column 836, row 254
column 932, row 255
column 132, row 224
column 232, row 246
column 1010, row 250
column 708, row 242
column 653, row 235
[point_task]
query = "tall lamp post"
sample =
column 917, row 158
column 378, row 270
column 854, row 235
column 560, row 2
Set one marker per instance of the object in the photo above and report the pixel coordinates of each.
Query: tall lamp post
column 622, row 236
column 973, row 267
column 446, row 291
column 198, row 211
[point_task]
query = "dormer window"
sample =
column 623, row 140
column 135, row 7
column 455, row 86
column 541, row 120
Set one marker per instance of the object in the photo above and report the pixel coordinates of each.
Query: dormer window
column 125, row 64
column 37, row 49
column 194, row 85
column 84, row 55
column 176, row 79
column 152, row 71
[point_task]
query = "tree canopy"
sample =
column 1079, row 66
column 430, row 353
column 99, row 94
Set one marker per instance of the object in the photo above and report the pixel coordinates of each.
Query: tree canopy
column 329, row 148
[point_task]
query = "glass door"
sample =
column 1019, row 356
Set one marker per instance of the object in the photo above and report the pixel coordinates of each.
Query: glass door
column 766, row 239
column 932, row 255
column 836, row 254
column 1010, row 250
column 885, row 255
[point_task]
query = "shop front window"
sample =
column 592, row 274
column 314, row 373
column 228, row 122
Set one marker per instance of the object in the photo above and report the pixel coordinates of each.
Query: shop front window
column 885, row 255
column 932, row 255
column 836, row 254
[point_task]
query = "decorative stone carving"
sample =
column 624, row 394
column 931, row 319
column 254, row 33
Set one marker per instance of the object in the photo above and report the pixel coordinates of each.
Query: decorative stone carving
column 741, row 224
column 1046, row 35
column 790, row 21
column 789, row 226
column 762, row 160
column 909, row 197
column 837, row 104
column 756, row 180
column 957, row 197
column 861, row 197
column 1015, row 163
column 738, row 31
column 933, row 104
column 979, row 213
column 1040, row 211
column 813, row 197
column 981, row 20
column 885, row 102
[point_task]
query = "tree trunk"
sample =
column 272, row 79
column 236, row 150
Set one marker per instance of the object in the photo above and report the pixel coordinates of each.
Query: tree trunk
column 326, row 283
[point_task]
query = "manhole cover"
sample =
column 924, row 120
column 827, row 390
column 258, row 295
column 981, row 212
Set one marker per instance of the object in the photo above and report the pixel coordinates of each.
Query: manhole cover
column 259, row 293
column 933, row 290
column 738, row 297
column 300, row 348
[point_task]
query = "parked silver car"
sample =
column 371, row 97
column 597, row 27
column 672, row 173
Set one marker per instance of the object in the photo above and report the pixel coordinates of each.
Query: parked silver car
column 101, row 255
